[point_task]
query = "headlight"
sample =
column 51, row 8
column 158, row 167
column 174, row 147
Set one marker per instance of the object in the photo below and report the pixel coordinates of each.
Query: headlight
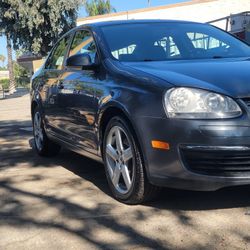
column 193, row 103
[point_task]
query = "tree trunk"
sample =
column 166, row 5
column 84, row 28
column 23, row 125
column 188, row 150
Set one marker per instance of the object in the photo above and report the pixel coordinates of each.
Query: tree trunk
column 12, row 83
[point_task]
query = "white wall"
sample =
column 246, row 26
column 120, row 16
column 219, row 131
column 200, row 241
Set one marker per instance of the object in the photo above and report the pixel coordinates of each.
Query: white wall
column 201, row 11
column 4, row 74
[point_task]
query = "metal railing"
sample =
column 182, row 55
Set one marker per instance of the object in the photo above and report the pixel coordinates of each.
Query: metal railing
column 230, row 21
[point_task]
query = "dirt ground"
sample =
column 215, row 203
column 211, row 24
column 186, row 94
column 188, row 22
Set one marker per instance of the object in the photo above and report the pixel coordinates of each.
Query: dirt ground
column 64, row 203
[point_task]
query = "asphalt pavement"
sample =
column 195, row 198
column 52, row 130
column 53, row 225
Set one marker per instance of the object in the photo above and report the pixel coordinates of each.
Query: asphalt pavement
column 64, row 202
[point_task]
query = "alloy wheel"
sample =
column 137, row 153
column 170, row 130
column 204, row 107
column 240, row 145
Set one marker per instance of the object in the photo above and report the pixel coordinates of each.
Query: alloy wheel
column 120, row 159
column 38, row 131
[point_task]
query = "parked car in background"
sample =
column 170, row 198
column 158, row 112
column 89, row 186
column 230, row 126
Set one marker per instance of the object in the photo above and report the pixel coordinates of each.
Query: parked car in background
column 160, row 103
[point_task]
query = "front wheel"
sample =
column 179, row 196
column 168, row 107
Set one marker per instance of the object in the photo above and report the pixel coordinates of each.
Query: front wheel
column 123, row 164
column 43, row 145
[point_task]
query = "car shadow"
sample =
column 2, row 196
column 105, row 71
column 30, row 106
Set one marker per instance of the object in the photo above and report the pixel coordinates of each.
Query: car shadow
column 79, row 165
column 230, row 197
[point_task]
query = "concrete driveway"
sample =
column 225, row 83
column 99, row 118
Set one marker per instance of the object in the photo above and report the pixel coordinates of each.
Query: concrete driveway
column 64, row 203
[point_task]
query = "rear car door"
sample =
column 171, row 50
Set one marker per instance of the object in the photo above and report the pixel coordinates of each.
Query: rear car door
column 76, row 95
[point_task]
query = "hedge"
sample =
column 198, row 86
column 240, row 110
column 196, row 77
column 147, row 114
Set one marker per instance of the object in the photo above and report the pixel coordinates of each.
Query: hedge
column 20, row 82
column 4, row 83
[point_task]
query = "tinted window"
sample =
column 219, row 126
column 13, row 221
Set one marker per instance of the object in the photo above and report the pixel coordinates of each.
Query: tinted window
column 171, row 41
column 83, row 42
column 170, row 47
column 55, row 61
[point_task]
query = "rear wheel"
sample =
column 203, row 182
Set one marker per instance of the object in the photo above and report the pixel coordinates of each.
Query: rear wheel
column 123, row 164
column 43, row 145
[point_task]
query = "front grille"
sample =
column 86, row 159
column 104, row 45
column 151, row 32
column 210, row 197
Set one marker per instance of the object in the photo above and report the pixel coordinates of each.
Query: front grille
column 218, row 162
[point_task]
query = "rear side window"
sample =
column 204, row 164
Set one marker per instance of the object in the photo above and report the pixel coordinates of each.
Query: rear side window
column 83, row 42
column 55, row 61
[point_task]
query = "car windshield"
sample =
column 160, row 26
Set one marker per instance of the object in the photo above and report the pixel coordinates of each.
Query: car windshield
column 171, row 41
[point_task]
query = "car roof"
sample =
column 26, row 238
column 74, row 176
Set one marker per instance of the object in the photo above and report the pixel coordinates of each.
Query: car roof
column 119, row 22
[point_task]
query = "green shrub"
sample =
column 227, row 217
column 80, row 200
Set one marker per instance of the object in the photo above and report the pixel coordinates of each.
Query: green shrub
column 4, row 83
column 23, row 81
column 20, row 82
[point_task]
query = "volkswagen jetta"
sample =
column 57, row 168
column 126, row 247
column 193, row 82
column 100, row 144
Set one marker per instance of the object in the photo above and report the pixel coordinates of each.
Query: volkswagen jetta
column 160, row 103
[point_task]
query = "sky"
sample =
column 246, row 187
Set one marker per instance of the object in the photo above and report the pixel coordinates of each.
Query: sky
column 119, row 5
column 124, row 5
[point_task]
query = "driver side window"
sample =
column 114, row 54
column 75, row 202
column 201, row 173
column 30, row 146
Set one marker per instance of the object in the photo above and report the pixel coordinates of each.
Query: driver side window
column 56, row 59
column 83, row 42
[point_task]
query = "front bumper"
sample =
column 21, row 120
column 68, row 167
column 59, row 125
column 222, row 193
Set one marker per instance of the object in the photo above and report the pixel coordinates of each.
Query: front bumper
column 204, row 154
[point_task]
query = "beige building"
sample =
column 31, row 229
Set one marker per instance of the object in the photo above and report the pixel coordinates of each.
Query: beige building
column 196, row 10
column 31, row 62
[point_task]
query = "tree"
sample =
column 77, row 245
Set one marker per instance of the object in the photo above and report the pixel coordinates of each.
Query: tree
column 12, row 83
column 36, row 25
column 19, row 71
column 98, row 7
column 2, row 59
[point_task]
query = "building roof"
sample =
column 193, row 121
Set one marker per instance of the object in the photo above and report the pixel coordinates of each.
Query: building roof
column 28, row 57
column 169, row 6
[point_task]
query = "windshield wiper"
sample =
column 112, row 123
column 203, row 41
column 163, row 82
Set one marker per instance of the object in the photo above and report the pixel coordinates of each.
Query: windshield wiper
column 217, row 57
column 148, row 60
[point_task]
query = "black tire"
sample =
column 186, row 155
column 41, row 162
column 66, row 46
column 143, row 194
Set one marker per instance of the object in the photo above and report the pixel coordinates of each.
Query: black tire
column 141, row 190
column 46, row 147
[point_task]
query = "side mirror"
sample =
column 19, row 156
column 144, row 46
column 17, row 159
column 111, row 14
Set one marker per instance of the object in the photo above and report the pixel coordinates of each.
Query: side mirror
column 81, row 60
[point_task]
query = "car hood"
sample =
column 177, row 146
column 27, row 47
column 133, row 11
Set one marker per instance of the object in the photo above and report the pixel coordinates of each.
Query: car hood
column 227, row 76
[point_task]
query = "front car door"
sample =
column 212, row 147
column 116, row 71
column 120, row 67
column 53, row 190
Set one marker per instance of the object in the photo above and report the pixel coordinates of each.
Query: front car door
column 76, row 95
column 53, row 70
